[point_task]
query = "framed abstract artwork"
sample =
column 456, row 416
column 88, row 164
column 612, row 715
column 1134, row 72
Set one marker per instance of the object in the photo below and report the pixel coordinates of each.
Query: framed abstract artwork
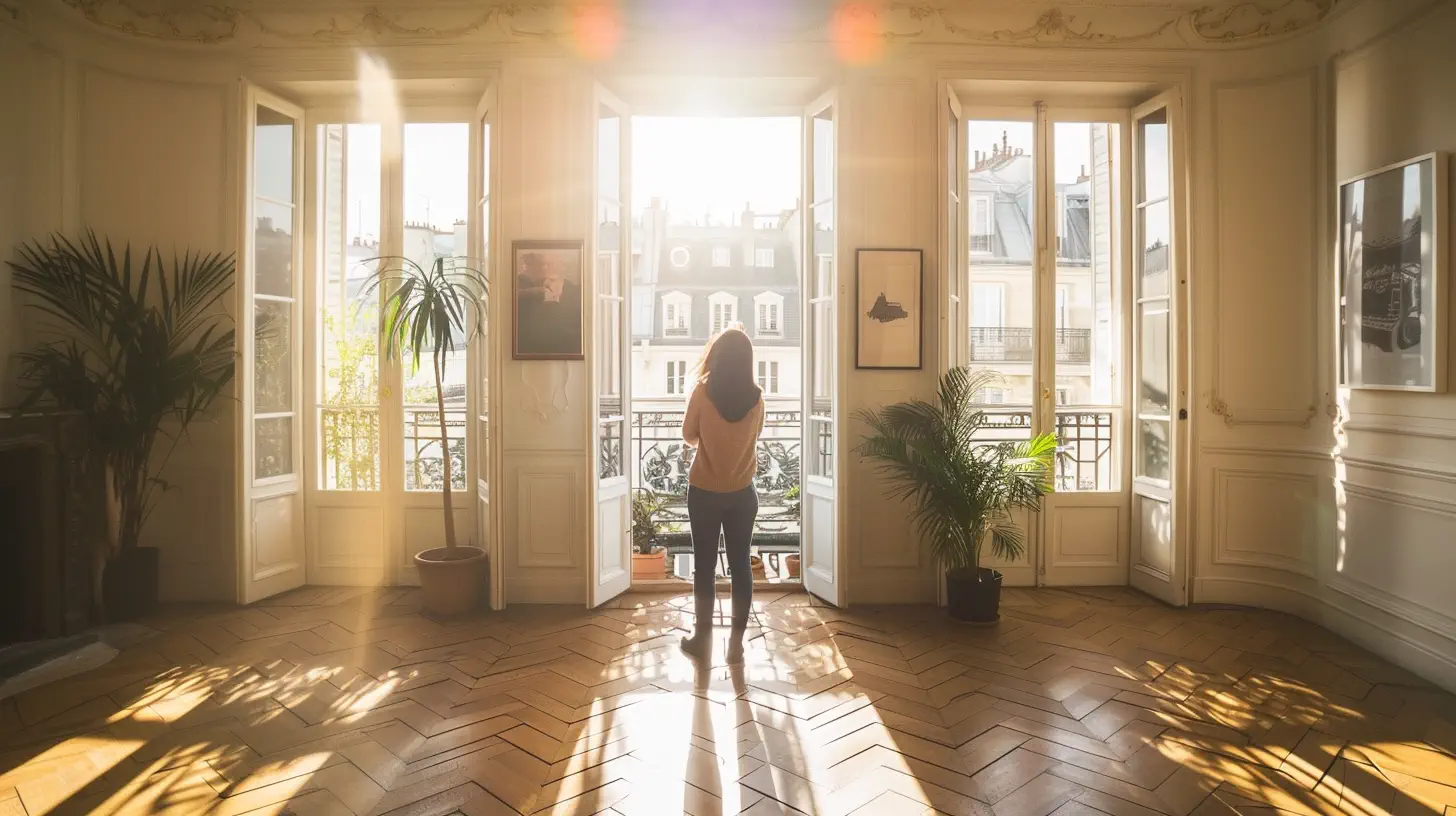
column 890, row 309
column 547, row 303
column 1392, row 276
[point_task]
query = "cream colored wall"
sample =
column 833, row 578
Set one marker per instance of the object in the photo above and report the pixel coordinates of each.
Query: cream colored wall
column 137, row 145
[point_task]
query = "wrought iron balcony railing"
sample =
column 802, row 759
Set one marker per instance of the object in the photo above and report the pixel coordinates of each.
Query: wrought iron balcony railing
column 1005, row 344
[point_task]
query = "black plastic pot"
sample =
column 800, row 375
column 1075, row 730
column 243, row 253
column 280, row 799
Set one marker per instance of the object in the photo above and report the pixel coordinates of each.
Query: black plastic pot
column 129, row 584
column 973, row 595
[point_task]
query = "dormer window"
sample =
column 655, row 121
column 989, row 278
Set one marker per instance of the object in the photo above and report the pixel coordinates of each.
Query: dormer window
column 677, row 310
column 723, row 310
column 763, row 257
column 768, row 309
column 720, row 257
column 981, row 232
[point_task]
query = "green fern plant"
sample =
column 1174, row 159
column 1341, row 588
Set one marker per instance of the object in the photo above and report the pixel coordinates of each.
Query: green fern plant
column 435, row 309
column 137, row 347
column 963, row 491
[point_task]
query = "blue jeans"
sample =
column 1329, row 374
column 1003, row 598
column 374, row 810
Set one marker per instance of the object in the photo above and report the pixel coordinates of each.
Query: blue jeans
column 732, row 515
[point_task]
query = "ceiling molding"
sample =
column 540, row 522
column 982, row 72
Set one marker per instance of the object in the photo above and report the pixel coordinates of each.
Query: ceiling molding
column 345, row 23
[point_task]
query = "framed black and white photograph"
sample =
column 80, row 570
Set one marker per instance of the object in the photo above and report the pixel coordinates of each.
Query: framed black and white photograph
column 1393, row 237
column 547, row 305
column 890, row 309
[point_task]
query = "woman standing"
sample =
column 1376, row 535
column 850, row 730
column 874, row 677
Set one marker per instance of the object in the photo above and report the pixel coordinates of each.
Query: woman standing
column 724, row 418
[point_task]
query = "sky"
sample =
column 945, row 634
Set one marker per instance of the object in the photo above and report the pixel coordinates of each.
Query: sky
column 1072, row 143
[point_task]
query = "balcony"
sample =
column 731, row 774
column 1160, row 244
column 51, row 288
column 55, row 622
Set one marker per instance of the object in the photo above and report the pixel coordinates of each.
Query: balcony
column 1002, row 344
column 1084, row 462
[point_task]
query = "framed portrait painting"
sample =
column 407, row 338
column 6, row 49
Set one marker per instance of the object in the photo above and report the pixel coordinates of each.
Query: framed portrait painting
column 547, row 307
column 1393, row 267
column 890, row 309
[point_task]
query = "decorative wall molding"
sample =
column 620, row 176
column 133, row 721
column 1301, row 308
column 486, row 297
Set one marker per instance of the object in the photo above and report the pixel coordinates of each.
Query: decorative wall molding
column 548, row 512
column 1226, row 554
column 1269, row 452
column 1218, row 403
column 1398, row 467
column 1423, row 431
column 1084, row 23
column 1346, row 582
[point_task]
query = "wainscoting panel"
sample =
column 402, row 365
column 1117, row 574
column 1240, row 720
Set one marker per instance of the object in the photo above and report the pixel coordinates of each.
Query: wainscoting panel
column 1395, row 552
column 1264, row 518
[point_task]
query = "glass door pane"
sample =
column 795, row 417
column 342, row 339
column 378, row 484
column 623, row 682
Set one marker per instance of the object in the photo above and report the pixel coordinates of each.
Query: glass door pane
column 1152, row 231
column 1087, row 317
column 348, row 358
column 821, row 278
column 611, row 297
column 275, row 351
column 1000, row 202
column 436, row 201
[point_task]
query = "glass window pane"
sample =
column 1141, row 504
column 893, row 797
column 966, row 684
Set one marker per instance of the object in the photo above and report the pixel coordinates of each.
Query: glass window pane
column 1002, row 230
column 1153, row 452
column 436, row 202
column 273, row 249
column 272, row 356
column 272, row 447
column 1156, row 240
column 1153, row 358
column 1086, row 309
column 273, row 156
column 1153, row 183
column 349, row 350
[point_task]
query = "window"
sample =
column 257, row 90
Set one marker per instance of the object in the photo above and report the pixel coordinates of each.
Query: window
column 981, row 232
column 723, row 309
column 720, row 256
column 768, row 309
column 988, row 305
column 768, row 376
column 679, row 257
column 677, row 376
column 763, row 257
column 1064, row 309
column 677, row 310
column 1064, row 396
column 989, row 396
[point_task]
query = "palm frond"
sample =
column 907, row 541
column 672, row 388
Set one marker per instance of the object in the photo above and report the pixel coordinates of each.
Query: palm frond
column 962, row 490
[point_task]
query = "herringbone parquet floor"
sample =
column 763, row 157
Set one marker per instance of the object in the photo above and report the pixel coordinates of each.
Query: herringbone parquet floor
column 1080, row 702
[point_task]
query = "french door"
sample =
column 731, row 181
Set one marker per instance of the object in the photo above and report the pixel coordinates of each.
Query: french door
column 413, row 187
column 270, row 552
column 823, row 569
column 1040, row 216
column 1159, row 557
column 611, row 552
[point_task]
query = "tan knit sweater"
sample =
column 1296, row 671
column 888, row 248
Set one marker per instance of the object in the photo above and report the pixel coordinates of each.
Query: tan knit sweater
column 727, row 451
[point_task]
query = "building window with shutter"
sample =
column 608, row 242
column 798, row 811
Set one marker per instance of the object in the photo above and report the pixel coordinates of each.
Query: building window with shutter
column 720, row 256
column 677, row 376
column 763, row 258
column 768, row 376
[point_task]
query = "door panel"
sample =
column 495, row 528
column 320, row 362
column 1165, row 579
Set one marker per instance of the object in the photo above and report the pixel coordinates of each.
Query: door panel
column 1158, row 558
column 822, row 568
column 611, row 560
column 481, row 351
column 271, row 544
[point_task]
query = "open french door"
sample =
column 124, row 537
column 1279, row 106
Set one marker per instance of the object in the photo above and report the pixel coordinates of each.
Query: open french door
column 1159, row 556
column 271, row 555
column 611, row 554
column 481, row 350
column 953, row 230
column 823, row 569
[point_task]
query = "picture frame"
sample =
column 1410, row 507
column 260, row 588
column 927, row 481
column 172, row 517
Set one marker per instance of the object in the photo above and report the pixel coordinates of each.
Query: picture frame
column 889, row 309
column 547, row 300
column 1393, row 244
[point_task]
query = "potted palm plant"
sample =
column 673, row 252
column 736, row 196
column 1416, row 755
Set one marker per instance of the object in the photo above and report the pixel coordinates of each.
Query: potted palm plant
column 649, row 558
column 140, row 350
column 964, row 491
column 432, row 311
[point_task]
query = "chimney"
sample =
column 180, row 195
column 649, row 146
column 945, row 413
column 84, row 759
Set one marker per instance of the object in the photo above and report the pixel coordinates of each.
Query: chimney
column 1082, row 175
column 1005, row 143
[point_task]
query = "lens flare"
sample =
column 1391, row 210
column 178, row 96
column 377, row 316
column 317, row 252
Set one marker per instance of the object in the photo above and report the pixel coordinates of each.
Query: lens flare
column 856, row 33
column 596, row 30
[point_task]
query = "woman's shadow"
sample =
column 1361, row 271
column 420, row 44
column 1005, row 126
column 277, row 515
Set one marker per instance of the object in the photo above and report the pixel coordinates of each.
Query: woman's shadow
column 703, row 727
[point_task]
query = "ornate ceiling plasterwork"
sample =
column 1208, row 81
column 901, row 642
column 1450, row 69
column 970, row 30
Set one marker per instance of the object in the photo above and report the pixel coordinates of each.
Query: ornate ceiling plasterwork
column 1085, row 23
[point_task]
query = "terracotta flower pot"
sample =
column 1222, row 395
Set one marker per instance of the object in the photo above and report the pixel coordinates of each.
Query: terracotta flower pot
column 651, row 566
column 451, row 580
column 755, row 563
column 791, row 563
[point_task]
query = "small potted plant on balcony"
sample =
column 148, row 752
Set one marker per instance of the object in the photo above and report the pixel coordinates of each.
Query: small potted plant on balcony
column 963, row 491
column 649, row 557
column 434, row 311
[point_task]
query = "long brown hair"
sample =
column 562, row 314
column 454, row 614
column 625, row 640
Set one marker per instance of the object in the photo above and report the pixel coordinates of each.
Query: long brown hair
column 726, row 370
